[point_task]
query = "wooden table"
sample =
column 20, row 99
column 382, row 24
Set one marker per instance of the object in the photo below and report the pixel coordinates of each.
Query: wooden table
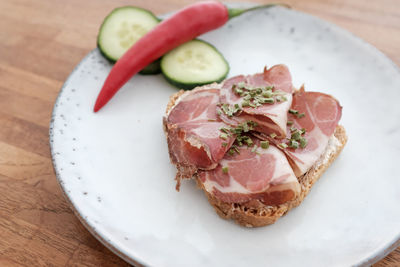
column 40, row 43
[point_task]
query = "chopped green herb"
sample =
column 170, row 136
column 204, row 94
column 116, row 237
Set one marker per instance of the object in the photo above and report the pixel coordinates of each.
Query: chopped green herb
column 245, row 103
column 268, row 100
column 293, row 111
column 246, row 127
column 273, row 135
column 224, row 144
column 230, row 110
column 238, row 131
column 267, row 93
column 225, row 169
column 249, row 142
column 303, row 142
column 231, row 151
column 237, row 90
column 293, row 144
column 223, row 136
column 252, row 123
column 301, row 115
column 256, row 96
column 296, row 138
column 247, row 97
column 225, row 109
column 225, row 130
column 264, row 144
column 282, row 145
column 254, row 149
column 296, row 135
column 290, row 123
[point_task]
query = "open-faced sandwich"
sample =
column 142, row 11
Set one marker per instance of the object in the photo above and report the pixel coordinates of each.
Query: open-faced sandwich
column 254, row 143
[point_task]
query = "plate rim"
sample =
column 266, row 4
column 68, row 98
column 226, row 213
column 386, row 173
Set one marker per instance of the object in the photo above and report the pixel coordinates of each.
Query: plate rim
column 391, row 246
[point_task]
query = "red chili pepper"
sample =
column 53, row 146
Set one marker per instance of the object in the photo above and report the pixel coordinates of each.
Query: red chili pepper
column 181, row 27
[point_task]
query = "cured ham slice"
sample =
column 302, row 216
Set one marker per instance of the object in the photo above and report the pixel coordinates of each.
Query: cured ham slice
column 193, row 132
column 196, row 105
column 269, row 117
column 322, row 114
column 263, row 175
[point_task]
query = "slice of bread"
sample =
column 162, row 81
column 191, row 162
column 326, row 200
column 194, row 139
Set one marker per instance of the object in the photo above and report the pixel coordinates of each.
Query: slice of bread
column 254, row 213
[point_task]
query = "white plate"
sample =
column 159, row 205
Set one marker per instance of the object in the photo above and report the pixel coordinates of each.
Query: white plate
column 115, row 170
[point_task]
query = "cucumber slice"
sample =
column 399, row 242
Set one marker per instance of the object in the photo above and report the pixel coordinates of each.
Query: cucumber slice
column 122, row 28
column 194, row 63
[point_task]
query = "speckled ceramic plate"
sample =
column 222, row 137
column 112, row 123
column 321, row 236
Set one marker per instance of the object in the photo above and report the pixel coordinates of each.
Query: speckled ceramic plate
column 114, row 167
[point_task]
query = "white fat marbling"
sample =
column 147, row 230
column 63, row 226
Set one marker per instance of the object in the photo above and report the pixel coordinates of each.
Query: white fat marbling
column 114, row 165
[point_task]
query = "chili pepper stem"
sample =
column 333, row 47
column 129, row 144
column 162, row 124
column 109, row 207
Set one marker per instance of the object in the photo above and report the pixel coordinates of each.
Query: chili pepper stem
column 234, row 12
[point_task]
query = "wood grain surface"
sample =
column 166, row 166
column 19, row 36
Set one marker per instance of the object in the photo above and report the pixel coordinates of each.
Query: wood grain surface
column 40, row 43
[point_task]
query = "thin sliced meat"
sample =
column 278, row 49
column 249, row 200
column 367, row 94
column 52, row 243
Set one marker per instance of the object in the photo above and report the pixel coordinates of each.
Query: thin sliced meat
column 198, row 143
column 264, row 175
column 280, row 77
column 322, row 114
column 196, row 105
column 193, row 132
column 269, row 117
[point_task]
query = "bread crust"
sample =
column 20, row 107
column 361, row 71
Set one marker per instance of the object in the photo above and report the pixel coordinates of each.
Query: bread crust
column 254, row 213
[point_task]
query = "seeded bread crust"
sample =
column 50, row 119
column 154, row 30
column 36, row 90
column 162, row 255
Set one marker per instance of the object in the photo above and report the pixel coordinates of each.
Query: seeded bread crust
column 254, row 213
